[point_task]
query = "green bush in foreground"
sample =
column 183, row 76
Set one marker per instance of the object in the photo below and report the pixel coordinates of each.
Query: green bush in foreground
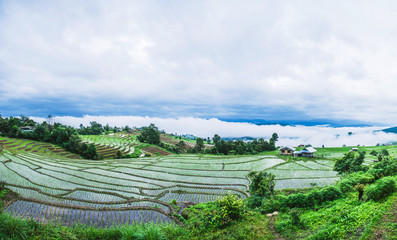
column 300, row 200
column 12, row 228
column 231, row 207
column 381, row 188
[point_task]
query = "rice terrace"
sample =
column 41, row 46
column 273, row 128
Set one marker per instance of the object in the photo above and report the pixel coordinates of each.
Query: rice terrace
column 120, row 191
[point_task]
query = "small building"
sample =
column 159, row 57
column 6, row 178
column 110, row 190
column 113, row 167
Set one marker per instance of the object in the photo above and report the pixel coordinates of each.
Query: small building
column 354, row 149
column 287, row 151
column 27, row 129
column 306, row 152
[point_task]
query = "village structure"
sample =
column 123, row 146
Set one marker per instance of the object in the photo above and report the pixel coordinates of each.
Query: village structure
column 291, row 151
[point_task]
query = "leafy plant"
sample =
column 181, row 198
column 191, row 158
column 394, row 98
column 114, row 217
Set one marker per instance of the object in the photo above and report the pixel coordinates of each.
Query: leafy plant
column 150, row 231
column 129, row 232
column 231, row 207
column 12, row 227
column 360, row 189
column 350, row 162
column 295, row 216
column 381, row 188
column 262, row 183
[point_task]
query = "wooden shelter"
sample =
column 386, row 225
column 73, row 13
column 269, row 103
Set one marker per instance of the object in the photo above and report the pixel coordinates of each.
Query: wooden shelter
column 287, row 151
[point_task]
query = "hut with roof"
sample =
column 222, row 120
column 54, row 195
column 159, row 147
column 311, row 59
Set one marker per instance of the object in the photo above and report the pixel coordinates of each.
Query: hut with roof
column 287, row 151
column 306, row 152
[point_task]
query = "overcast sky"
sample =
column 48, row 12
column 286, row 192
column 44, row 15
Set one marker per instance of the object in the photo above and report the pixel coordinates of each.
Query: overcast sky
column 206, row 59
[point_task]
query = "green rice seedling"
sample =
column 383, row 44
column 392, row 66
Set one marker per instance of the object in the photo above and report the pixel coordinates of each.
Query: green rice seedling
column 13, row 228
column 150, row 231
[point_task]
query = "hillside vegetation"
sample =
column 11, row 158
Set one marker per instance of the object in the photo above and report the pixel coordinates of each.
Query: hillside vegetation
column 49, row 193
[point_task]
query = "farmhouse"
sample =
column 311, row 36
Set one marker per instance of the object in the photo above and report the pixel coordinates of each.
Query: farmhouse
column 287, row 151
column 306, row 152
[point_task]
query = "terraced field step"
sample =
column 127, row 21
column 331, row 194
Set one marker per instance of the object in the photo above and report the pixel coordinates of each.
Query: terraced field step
column 101, row 218
column 34, row 146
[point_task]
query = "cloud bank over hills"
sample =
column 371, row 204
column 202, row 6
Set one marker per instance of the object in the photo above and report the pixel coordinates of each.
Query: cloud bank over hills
column 207, row 59
column 289, row 135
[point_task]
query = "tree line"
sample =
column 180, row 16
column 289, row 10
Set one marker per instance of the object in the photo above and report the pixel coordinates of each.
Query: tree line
column 151, row 135
column 239, row 147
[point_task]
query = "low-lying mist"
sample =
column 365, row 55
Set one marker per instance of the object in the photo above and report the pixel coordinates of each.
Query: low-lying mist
column 288, row 135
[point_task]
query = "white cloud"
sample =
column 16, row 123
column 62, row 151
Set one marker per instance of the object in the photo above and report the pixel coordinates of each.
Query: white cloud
column 331, row 59
column 289, row 135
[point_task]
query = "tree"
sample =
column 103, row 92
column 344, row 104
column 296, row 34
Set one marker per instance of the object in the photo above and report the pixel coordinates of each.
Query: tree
column 118, row 154
column 385, row 152
column 127, row 128
column 272, row 141
column 180, row 147
column 373, row 153
column 216, row 139
column 262, row 183
column 150, row 135
column 40, row 133
column 90, row 151
column 350, row 162
column 199, row 145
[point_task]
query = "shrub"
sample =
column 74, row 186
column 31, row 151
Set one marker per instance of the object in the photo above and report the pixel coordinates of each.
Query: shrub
column 330, row 193
column 387, row 167
column 296, row 200
column 231, row 207
column 262, row 183
column 2, row 195
column 381, row 188
column 314, row 197
column 255, row 201
column 295, row 216
column 272, row 204
column 300, row 200
column 353, row 179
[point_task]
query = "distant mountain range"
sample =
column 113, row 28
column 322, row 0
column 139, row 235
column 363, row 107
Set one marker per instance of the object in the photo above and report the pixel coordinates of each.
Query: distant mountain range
column 390, row 130
column 309, row 123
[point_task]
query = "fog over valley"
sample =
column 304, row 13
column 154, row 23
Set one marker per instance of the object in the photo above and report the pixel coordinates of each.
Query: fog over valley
column 288, row 135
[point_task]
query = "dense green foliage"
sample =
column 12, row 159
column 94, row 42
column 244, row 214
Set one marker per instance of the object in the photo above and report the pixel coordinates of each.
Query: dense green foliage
column 350, row 162
column 262, row 183
column 387, row 167
column 217, row 214
column 94, row 129
column 262, row 186
column 240, row 147
column 150, row 135
column 199, row 145
column 381, row 188
column 344, row 218
column 300, row 200
column 58, row 134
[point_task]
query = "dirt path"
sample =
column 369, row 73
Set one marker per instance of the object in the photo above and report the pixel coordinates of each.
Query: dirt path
column 276, row 235
column 383, row 229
